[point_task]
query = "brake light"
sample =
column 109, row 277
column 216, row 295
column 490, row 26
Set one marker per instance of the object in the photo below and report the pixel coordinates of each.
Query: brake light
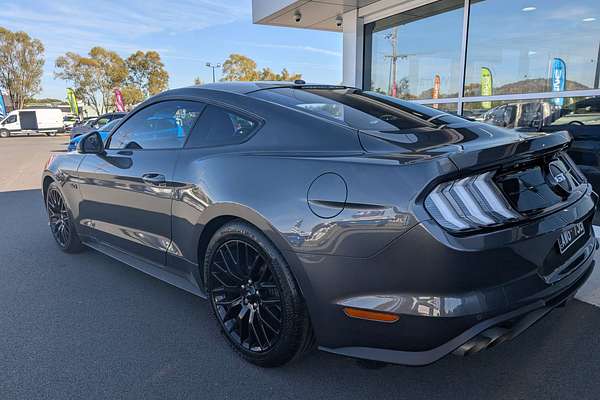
column 469, row 203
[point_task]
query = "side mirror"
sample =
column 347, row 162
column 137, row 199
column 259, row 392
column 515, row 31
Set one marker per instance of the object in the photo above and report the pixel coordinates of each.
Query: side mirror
column 91, row 144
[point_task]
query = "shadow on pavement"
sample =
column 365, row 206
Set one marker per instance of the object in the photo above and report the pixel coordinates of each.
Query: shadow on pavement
column 85, row 326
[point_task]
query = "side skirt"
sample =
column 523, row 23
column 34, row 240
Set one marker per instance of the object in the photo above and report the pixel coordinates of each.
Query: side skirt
column 148, row 267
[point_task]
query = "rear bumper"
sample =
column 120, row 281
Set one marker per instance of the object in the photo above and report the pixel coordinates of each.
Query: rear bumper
column 487, row 333
column 446, row 290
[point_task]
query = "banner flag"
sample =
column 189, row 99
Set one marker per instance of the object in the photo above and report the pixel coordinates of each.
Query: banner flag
column 486, row 86
column 558, row 77
column 436, row 88
column 72, row 102
column 2, row 105
column 119, row 100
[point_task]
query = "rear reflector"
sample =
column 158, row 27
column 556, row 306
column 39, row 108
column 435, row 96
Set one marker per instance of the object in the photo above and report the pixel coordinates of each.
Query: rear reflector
column 370, row 315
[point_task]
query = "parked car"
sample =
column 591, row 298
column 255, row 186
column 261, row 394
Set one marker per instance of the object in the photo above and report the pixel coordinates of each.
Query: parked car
column 297, row 211
column 69, row 121
column 82, row 121
column 94, row 123
column 104, row 132
column 32, row 120
column 583, row 112
column 533, row 115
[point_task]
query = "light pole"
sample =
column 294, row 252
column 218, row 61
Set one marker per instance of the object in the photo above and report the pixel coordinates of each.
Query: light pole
column 213, row 66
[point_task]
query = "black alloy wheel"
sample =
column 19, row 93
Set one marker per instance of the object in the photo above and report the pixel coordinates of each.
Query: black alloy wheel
column 60, row 221
column 246, row 296
column 254, row 296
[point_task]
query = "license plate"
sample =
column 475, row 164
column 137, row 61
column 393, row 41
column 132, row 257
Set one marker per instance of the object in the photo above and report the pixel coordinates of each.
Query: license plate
column 569, row 236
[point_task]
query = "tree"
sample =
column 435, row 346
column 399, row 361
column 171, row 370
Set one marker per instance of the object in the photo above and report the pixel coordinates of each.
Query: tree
column 268, row 75
column 147, row 72
column 132, row 95
column 21, row 66
column 94, row 77
column 241, row 68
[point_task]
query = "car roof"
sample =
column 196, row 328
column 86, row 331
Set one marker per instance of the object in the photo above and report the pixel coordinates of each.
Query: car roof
column 111, row 114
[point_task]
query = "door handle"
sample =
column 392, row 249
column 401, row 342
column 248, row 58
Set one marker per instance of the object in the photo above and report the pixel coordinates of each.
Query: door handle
column 155, row 179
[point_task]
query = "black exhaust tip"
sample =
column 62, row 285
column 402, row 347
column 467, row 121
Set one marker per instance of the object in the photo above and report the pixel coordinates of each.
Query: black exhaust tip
column 484, row 340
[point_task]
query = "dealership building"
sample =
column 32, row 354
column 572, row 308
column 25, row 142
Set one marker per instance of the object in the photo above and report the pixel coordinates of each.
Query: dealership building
column 513, row 63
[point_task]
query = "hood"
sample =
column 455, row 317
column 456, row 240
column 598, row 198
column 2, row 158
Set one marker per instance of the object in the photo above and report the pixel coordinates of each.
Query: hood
column 467, row 144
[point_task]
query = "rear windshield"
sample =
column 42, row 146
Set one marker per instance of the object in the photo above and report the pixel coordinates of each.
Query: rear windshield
column 358, row 109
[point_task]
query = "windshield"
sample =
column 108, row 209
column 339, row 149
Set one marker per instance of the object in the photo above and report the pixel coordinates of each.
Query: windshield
column 358, row 109
column 108, row 127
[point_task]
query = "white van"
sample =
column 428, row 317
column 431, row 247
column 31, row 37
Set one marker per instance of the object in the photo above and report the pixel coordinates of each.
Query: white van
column 32, row 120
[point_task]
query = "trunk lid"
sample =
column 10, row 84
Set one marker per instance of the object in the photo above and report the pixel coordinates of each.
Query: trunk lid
column 531, row 170
column 469, row 145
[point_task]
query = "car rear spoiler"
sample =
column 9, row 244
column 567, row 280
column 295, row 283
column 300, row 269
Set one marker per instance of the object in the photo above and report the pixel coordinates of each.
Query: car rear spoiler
column 532, row 145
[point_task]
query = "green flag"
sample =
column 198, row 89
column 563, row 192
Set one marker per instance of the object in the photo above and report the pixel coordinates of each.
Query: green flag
column 72, row 101
column 486, row 86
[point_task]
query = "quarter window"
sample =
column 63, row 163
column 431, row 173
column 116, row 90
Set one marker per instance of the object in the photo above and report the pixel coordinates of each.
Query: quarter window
column 164, row 125
column 217, row 127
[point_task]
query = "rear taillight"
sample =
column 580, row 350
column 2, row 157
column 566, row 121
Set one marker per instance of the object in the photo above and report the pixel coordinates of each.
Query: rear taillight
column 469, row 203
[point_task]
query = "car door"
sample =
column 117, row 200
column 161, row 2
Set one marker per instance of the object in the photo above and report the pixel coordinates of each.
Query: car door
column 11, row 123
column 127, row 191
column 218, row 131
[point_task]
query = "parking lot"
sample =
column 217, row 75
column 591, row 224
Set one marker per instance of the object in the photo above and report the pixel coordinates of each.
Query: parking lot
column 85, row 326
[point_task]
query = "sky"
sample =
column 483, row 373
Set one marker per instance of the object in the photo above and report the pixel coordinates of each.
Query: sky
column 186, row 33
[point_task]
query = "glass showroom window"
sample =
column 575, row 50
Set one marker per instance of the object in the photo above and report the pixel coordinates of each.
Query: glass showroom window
column 451, row 108
column 538, row 115
column 530, row 46
column 416, row 54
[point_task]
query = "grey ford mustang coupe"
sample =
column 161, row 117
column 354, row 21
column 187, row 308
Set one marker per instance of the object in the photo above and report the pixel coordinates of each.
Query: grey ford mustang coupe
column 314, row 215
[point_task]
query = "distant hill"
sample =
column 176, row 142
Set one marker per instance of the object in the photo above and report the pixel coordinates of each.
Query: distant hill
column 523, row 86
column 474, row 89
column 47, row 101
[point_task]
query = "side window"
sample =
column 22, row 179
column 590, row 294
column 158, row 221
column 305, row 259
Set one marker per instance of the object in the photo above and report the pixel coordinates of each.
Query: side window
column 217, row 127
column 164, row 125
column 101, row 122
column 11, row 119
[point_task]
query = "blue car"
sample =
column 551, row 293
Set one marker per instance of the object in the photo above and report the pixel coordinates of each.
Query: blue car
column 104, row 131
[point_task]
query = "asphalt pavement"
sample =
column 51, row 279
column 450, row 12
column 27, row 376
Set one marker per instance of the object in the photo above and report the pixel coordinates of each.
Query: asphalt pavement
column 86, row 326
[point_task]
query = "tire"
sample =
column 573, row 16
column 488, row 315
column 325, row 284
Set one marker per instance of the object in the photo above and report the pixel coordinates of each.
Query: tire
column 60, row 220
column 51, row 134
column 4, row 133
column 247, row 279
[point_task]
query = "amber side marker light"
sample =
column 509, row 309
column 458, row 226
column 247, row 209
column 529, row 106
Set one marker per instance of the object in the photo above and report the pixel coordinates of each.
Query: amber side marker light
column 370, row 315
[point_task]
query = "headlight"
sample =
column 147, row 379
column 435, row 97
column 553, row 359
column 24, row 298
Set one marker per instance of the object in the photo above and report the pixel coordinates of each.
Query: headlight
column 469, row 203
